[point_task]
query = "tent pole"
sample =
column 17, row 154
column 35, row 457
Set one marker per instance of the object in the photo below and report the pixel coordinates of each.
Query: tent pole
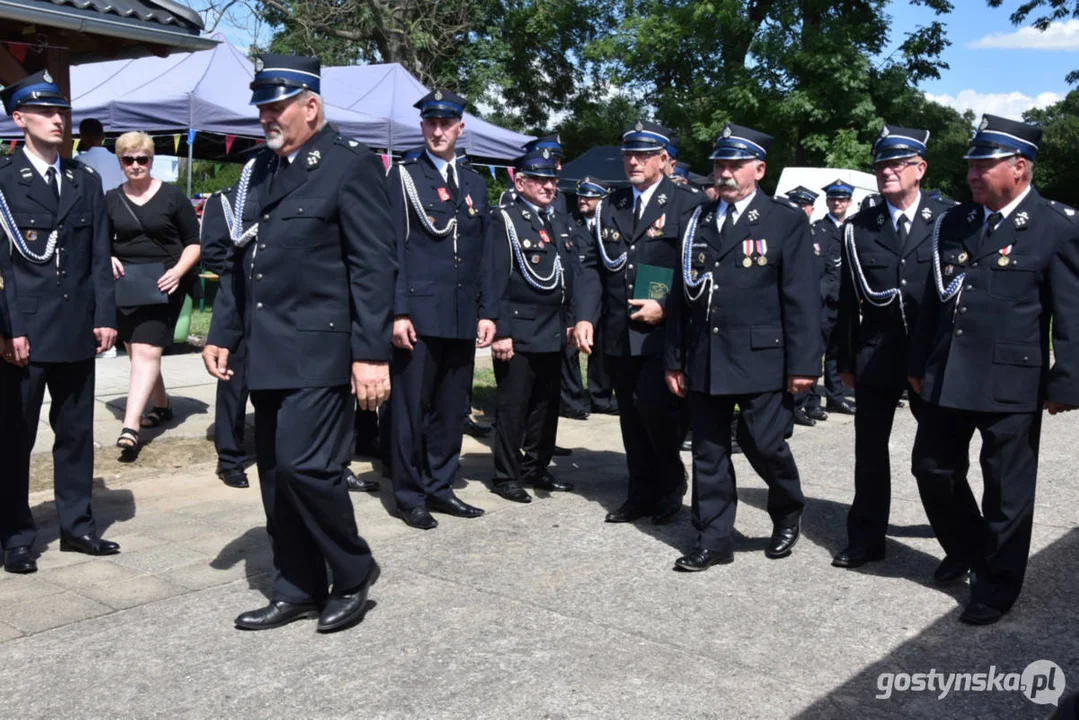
column 190, row 159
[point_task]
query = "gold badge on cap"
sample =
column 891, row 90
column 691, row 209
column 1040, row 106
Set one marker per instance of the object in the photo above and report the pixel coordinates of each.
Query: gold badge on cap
column 46, row 77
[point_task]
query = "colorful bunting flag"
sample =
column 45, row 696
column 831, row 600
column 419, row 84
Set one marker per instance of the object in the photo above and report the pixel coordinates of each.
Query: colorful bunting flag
column 176, row 144
column 385, row 162
column 229, row 139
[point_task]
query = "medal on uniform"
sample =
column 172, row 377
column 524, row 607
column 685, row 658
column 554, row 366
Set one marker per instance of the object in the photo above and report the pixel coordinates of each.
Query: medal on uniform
column 535, row 259
column 468, row 200
column 816, row 248
column 443, row 194
column 527, row 244
column 747, row 250
column 544, row 237
column 1004, row 260
column 659, row 223
column 431, row 219
column 949, row 269
column 762, row 251
column 700, row 258
column 31, row 235
column 615, row 235
column 962, row 258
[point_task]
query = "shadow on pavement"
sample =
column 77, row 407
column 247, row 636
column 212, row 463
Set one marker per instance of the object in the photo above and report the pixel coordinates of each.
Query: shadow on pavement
column 109, row 506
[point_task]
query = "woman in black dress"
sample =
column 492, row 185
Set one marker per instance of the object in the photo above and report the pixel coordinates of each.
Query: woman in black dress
column 152, row 222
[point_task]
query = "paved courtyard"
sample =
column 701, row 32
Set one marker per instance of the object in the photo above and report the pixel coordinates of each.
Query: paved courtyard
column 532, row 611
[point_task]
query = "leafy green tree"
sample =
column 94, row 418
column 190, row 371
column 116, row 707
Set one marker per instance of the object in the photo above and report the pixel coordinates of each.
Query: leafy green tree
column 1056, row 173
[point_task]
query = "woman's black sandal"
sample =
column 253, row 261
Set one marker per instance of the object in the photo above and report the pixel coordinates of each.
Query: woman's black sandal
column 156, row 417
column 129, row 444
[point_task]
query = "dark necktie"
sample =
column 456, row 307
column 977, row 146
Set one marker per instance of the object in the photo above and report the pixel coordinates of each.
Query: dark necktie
column 50, row 180
column 638, row 208
column 728, row 225
column 991, row 223
column 902, row 231
column 451, row 180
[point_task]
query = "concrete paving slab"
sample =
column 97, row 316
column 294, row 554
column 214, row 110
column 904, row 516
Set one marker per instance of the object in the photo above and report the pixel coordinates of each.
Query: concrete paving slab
column 52, row 611
column 131, row 591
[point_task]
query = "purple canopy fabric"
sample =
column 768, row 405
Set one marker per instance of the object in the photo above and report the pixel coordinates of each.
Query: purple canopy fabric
column 208, row 92
column 390, row 91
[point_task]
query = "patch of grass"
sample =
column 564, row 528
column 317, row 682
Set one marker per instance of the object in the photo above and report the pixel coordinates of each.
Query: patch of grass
column 200, row 322
column 483, row 390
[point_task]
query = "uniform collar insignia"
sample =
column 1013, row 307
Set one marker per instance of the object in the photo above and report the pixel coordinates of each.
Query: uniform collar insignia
column 753, row 215
column 623, row 203
column 661, row 199
column 313, row 158
column 526, row 215
column 880, row 220
column 1021, row 219
column 26, row 173
column 927, row 214
column 972, row 214
column 708, row 218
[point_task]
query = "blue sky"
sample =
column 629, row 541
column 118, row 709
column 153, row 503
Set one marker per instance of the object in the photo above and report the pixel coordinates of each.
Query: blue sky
column 994, row 66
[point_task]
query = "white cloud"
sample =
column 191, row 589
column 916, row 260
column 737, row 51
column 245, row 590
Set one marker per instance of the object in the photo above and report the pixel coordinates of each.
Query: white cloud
column 1058, row 36
column 1010, row 105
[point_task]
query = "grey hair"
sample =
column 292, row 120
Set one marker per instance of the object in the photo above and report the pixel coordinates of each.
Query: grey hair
column 308, row 94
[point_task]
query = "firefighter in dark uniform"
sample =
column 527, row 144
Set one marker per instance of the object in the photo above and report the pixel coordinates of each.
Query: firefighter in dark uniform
column 807, row 409
column 57, row 281
column 532, row 269
column 444, row 301
column 307, row 286
column 230, row 406
column 995, row 344
column 743, row 330
column 828, row 235
column 637, row 240
column 886, row 258
column 552, row 144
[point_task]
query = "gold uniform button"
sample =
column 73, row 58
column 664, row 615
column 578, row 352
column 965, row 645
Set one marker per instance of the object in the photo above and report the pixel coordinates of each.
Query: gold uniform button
column 715, row 331
column 259, row 276
column 331, row 325
column 258, row 306
column 266, row 217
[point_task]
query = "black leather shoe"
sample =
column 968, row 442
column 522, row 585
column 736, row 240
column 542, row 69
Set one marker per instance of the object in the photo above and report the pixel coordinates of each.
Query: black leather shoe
column 855, row 556
column 978, row 614
column 89, row 544
column 575, row 414
column 234, row 478
column 666, row 512
column 815, row 413
column 419, row 518
column 512, row 491
column 274, row 615
column 19, row 560
column 547, row 481
column 346, row 609
column 454, row 506
column 701, row 559
column 782, row 542
column 840, row 407
column 560, row 451
column 626, row 513
column 475, row 429
column 950, row 570
column 800, row 418
column 608, row 410
column 357, row 485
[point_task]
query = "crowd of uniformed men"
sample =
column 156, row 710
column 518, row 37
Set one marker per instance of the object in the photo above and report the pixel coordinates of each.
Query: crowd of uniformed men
column 714, row 312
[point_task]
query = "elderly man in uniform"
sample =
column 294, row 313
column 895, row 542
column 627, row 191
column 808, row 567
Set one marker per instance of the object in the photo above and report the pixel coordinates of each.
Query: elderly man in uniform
column 445, row 305
column 57, row 281
column 1004, row 290
column 886, row 258
column 743, row 331
column 625, row 280
column 828, row 242
column 307, row 288
column 532, row 267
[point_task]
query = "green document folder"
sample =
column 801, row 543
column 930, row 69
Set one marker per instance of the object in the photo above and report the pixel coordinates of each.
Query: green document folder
column 653, row 282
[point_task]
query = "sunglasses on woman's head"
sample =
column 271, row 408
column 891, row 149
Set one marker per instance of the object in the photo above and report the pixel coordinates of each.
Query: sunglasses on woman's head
column 140, row 159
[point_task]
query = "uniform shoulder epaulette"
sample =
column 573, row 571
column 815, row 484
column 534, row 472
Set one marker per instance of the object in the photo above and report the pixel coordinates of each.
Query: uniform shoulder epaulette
column 4, row 160
column 408, row 161
column 354, row 145
column 75, row 163
column 1068, row 212
column 469, row 168
column 784, row 202
column 687, row 188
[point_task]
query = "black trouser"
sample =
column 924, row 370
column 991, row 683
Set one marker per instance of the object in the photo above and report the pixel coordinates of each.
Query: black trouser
column 600, row 383
column 832, row 388
column 763, row 421
column 526, row 401
column 995, row 540
column 230, row 414
column 71, row 416
column 365, row 426
column 867, row 520
column 302, row 439
column 429, row 400
column 573, row 397
column 653, row 422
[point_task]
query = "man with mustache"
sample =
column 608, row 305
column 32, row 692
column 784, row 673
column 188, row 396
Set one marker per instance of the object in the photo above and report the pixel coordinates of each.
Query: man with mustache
column 994, row 346
column 743, row 330
column 625, row 278
column 307, row 287
column 56, row 278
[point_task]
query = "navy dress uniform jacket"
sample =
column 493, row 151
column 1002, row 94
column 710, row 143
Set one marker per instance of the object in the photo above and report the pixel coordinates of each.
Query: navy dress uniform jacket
column 311, row 293
column 57, row 304
column 535, row 319
column 873, row 342
column 828, row 255
column 764, row 323
column 602, row 293
column 987, row 349
column 443, row 294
